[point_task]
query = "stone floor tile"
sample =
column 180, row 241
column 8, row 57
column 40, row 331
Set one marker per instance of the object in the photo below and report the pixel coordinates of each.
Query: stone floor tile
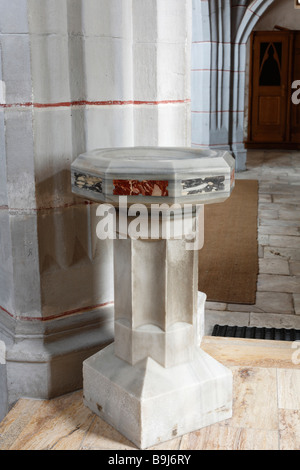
column 243, row 308
column 285, row 199
column 275, row 206
column 288, row 381
column 270, row 214
column 283, row 253
column 263, row 239
column 282, row 188
column 274, row 266
column 278, row 283
column 260, row 252
column 255, row 389
column 18, row 418
column 111, row 439
column 284, row 241
column 268, row 206
column 265, row 198
column 173, row 444
column 41, row 433
column 274, row 320
column 294, row 268
column 219, row 437
column 289, row 429
column 215, row 305
column 274, row 302
column 289, row 215
column 278, row 230
column 279, row 222
column 274, row 187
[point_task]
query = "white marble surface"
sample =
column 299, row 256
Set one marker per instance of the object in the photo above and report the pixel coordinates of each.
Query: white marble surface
column 148, row 399
column 151, row 404
column 168, row 348
column 155, row 300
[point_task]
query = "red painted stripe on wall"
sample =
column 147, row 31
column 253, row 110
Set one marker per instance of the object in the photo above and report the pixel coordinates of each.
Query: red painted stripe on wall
column 216, row 145
column 67, row 104
column 6, row 311
column 218, row 70
column 220, row 111
column 45, row 208
column 59, row 315
column 218, row 42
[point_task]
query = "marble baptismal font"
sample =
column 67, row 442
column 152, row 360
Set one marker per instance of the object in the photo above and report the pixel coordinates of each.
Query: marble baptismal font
column 154, row 382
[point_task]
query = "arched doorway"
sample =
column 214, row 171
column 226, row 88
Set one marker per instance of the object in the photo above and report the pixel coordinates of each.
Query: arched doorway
column 272, row 119
column 220, row 33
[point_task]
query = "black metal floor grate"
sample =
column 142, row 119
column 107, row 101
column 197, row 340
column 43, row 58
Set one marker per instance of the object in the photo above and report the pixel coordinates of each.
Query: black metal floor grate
column 281, row 334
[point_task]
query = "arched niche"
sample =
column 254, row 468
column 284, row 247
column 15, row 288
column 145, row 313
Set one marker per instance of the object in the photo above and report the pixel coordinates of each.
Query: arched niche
column 219, row 38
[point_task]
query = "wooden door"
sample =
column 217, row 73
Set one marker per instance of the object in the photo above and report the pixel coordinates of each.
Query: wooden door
column 295, row 105
column 270, row 87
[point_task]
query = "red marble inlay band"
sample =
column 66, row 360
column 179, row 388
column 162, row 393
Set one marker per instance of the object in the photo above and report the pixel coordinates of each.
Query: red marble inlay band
column 140, row 188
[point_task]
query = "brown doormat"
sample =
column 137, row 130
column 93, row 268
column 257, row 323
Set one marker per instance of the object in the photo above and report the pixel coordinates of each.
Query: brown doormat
column 228, row 261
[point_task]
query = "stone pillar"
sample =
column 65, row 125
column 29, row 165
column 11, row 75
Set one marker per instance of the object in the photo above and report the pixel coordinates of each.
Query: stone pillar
column 211, row 74
column 3, row 382
column 74, row 75
column 161, row 72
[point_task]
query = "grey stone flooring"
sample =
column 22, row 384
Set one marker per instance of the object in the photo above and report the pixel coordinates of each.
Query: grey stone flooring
column 278, row 285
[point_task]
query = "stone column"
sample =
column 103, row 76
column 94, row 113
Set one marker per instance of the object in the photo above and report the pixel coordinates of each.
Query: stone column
column 75, row 75
column 211, row 74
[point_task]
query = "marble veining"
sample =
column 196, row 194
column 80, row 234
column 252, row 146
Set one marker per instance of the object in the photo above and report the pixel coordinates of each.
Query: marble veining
column 86, row 181
column 140, row 188
column 203, row 185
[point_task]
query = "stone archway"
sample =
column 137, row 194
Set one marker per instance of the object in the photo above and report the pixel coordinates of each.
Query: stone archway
column 220, row 33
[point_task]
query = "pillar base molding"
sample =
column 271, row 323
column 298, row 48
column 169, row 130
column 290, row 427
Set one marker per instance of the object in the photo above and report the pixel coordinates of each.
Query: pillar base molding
column 43, row 359
column 240, row 154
